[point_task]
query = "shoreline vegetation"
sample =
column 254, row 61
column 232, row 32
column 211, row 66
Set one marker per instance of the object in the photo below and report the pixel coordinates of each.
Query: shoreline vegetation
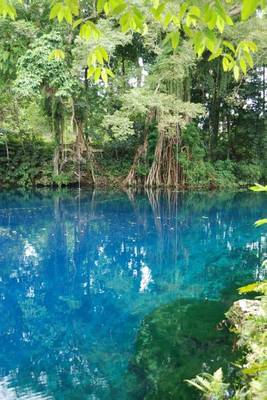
column 247, row 319
column 29, row 164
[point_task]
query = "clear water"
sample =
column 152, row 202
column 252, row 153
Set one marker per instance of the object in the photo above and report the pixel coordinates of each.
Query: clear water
column 109, row 295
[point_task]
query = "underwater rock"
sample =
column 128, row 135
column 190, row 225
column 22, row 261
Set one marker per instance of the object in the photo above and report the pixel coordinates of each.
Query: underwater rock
column 174, row 343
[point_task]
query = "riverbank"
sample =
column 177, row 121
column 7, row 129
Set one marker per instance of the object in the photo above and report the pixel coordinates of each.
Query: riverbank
column 30, row 164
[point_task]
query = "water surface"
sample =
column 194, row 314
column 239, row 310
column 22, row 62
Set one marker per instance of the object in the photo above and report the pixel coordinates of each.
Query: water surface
column 108, row 295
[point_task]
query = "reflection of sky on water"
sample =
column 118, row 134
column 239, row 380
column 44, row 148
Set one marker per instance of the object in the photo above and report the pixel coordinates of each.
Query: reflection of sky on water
column 79, row 272
column 10, row 393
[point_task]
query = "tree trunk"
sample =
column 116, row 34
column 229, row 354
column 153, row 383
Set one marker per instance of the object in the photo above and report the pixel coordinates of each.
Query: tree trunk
column 132, row 178
column 58, row 131
column 83, row 151
column 165, row 169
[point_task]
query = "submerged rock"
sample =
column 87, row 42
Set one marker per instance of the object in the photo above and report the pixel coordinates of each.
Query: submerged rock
column 174, row 343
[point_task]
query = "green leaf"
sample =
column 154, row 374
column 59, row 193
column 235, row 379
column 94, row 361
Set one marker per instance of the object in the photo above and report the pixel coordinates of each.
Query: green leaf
column 236, row 72
column 104, row 75
column 110, row 73
column 68, row 15
column 60, row 14
column 229, row 45
column 85, row 32
column 104, row 53
column 229, row 20
column 248, row 8
column 99, row 56
column 182, row 10
column 100, row 5
column 210, row 41
column 167, row 19
column 220, row 24
column 252, row 287
column 90, row 71
column 255, row 368
column 212, row 21
column 175, row 37
column 155, row 3
column 119, row 9
column 216, row 54
column 258, row 188
column 225, row 63
column 74, row 6
column 125, row 22
column 249, row 59
column 55, row 10
column 97, row 74
column 261, row 222
column 77, row 23
column 56, row 54
column 194, row 10
column 243, row 65
column 106, row 8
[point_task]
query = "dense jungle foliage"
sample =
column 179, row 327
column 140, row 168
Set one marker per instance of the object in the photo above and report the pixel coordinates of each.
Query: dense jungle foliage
column 134, row 95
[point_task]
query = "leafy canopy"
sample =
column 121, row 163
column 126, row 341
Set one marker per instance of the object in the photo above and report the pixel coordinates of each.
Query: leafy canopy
column 203, row 22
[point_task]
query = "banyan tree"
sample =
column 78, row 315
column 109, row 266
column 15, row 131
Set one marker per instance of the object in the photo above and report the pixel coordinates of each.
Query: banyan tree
column 163, row 104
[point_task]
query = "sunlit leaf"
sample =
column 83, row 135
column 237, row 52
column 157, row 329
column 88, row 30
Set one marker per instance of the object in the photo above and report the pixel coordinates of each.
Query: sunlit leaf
column 261, row 222
column 258, row 188
column 229, row 45
column 220, row 24
column 248, row 8
column 236, row 72
column 255, row 368
column 57, row 54
column 216, row 54
column 243, row 66
column 104, row 75
column 252, row 287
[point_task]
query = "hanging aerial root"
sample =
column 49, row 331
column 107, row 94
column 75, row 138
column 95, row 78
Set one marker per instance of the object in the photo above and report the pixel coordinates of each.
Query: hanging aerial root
column 165, row 169
column 132, row 178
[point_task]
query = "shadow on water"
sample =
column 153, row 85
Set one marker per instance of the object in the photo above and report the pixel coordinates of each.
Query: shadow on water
column 93, row 287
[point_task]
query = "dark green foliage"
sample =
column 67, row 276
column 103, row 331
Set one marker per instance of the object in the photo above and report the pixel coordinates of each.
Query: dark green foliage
column 248, row 173
column 30, row 164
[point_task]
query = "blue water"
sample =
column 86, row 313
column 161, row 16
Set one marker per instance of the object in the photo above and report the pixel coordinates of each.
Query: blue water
column 96, row 287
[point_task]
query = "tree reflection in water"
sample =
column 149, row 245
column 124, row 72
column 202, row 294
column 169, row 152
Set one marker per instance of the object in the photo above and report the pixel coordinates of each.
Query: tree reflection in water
column 80, row 271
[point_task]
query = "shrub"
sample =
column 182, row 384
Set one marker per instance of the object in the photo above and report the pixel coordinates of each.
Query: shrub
column 248, row 173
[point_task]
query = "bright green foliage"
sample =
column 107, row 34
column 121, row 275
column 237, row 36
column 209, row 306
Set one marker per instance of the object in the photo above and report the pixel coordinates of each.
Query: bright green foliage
column 254, row 287
column 261, row 222
column 57, row 54
column 65, row 10
column 203, row 22
column 259, row 188
column 208, row 384
column 7, row 9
